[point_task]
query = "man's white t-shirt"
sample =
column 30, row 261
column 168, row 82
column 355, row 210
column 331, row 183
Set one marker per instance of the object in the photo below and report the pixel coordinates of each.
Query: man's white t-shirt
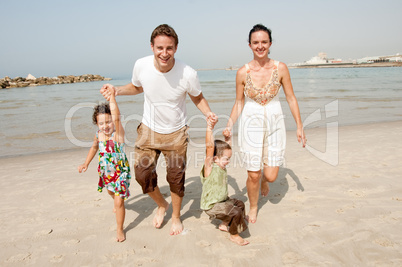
column 165, row 93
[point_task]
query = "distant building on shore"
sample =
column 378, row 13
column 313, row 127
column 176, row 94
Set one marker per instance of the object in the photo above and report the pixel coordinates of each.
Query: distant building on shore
column 393, row 58
column 323, row 61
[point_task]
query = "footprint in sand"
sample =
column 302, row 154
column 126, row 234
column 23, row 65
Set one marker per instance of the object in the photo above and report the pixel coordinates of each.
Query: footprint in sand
column 203, row 243
column 291, row 258
column 345, row 208
column 354, row 193
column 20, row 258
column 57, row 259
column 262, row 240
column 71, row 242
column 44, row 232
column 90, row 237
column 384, row 242
column 311, row 227
column 292, row 213
column 249, row 254
column 23, row 246
column 226, row 263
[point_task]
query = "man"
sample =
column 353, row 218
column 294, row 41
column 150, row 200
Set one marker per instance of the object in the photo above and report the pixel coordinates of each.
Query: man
column 165, row 82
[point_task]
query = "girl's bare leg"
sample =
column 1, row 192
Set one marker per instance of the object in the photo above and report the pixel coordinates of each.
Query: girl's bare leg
column 112, row 195
column 120, row 216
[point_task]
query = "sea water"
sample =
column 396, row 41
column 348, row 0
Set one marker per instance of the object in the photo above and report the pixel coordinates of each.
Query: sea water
column 59, row 117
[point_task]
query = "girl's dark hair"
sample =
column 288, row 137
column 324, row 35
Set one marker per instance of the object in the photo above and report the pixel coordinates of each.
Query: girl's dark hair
column 220, row 146
column 102, row 108
column 259, row 27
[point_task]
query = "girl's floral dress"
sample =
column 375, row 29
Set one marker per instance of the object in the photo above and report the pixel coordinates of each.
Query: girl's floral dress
column 113, row 168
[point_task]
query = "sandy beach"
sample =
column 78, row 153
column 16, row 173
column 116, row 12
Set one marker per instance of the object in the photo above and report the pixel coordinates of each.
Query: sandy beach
column 316, row 214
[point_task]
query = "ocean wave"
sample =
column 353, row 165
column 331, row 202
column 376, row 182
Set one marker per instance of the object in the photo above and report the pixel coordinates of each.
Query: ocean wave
column 37, row 135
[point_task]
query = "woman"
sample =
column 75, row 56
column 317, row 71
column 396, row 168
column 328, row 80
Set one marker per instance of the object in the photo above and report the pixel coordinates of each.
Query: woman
column 262, row 133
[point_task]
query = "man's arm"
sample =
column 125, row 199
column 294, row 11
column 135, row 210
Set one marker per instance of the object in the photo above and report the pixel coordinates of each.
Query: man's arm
column 128, row 89
column 201, row 103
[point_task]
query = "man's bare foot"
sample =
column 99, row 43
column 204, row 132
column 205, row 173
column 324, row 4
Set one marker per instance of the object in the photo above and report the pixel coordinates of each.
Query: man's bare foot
column 160, row 215
column 238, row 240
column 264, row 187
column 177, row 226
column 252, row 215
column 120, row 235
column 223, row 227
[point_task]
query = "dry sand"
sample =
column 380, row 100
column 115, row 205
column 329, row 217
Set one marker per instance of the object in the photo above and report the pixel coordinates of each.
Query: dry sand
column 316, row 214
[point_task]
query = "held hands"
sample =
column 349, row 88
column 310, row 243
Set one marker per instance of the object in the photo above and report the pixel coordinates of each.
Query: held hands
column 227, row 133
column 212, row 119
column 107, row 91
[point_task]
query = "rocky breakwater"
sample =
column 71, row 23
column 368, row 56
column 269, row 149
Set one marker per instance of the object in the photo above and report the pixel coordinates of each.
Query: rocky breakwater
column 30, row 80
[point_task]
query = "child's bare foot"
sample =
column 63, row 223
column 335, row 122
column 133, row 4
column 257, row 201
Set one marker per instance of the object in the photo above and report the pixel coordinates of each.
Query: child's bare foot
column 120, row 235
column 177, row 226
column 160, row 215
column 238, row 240
column 252, row 215
column 264, row 187
column 223, row 227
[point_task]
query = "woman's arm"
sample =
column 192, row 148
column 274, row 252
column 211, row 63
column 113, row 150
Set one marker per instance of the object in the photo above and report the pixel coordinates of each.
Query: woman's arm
column 292, row 101
column 239, row 103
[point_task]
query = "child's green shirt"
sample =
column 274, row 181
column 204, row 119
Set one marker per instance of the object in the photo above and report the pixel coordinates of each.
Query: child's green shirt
column 214, row 187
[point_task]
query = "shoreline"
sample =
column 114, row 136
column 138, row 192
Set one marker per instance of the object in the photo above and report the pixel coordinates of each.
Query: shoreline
column 235, row 135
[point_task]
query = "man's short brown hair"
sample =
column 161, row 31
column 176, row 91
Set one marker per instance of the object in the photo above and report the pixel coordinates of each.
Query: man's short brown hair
column 164, row 29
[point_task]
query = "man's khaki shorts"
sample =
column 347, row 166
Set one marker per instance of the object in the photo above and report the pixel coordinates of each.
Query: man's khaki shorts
column 148, row 147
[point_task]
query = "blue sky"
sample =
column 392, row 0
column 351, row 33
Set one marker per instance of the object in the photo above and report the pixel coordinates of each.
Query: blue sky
column 50, row 38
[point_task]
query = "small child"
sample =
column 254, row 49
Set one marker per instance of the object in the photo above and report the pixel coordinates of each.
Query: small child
column 113, row 168
column 214, row 198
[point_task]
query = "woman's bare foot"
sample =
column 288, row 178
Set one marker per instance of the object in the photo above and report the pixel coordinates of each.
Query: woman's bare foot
column 264, row 187
column 177, row 226
column 238, row 240
column 160, row 215
column 252, row 215
column 121, row 236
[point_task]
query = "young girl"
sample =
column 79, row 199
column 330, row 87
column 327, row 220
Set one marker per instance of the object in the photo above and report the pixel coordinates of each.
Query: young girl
column 214, row 198
column 113, row 168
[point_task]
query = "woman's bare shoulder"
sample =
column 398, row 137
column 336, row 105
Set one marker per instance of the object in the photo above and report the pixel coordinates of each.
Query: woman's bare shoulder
column 282, row 66
column 241, row 72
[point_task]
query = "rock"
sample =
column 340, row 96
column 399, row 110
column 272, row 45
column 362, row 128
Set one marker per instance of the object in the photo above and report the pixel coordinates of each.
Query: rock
column 30, row 80
column 30, row 77
column 4, row 83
